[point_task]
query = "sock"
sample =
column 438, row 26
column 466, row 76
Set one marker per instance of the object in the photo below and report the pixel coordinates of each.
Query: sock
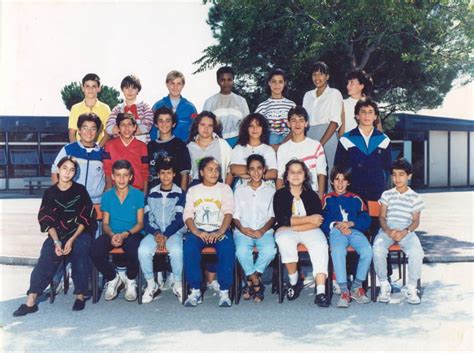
column 321, row 289
column 356, row 284
column 293, row 278
column 343, row 287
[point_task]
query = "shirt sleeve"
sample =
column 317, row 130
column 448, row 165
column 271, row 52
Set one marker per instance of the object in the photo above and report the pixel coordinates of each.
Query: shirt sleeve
column 227, row 200
column 418, row 204
column 62, row 153
column 363, row 220
column 270, row 159
column 146, row 118
column 335, row 110
column 107, row 159
column 282, row 210
column 46, row 216
column 111, row 121
column 184, row 159
column 150, row 226
column 281, row 161
column 73, row 117
column 245, row 107
column 189, row 205
column 321, row 163
column 178, row 222
column 237, row 199
column 237, row 155
column 105, row 205
column 145, row 169
column 384, row 199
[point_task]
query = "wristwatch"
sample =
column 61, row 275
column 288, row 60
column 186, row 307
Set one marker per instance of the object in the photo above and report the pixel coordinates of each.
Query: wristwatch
column 56, row 242
column 407, row 229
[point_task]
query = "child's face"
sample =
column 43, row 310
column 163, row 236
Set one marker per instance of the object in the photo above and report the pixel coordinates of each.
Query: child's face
column 295, row 175
column 166, row 177
column 67, row 171
column 210, row 174
column 320, row 79
column 340, row 184
column 206, row 127
column 255, row 130
column 226, row 83
column 366, row 116
column 354, row 88
column 400, row 178
column 175, row 87
column 297, row 124
column 130, row 93
column 91, row 89
column 277, row 85
column 256, row 171
column 127, row 129
column 121, row 178
column 88, row 133
column 165, row 123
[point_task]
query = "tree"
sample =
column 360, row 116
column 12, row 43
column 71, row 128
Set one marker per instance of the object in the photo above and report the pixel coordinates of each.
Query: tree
column 72, row 94
column 414, row 50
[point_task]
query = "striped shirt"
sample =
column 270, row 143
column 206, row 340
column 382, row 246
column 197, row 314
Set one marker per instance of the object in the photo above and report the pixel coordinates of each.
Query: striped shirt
column 276, row 113
column 144, row 120
column 401, row 207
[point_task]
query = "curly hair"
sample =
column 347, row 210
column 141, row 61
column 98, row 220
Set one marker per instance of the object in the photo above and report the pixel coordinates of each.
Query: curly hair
column 244, row 137
column 217, row 128
column 307, row 176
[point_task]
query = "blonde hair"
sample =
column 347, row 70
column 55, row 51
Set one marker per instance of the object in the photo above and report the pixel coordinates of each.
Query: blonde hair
column 174, row 75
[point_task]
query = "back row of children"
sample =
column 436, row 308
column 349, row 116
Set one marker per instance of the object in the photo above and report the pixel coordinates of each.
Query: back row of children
column 363, row 160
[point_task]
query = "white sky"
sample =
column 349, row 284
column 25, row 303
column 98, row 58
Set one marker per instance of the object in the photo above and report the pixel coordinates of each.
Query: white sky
column 47, row 44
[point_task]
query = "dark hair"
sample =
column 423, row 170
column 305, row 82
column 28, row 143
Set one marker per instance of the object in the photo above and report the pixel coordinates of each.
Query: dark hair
column 320, row 66
column 307, row 180
column 366, row 103
column 255, row 157
column 131, row 81
column 124, row 116
column 363, row 78
column 91, row 77
column 165, row 163
column 402, row 164
column 204, row 162
column 298, row 110
column 122, row 164
column 70, row 159
column 89, row 117
column 339, row 169
column 276, row 72
column 217, row 128
column 224, row 70
column 164, row 110
column 244, row 137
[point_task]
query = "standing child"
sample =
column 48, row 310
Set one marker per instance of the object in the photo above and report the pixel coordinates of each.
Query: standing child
column 400, row 212
column 254, row 218
column 298, row 215
column 345, row 220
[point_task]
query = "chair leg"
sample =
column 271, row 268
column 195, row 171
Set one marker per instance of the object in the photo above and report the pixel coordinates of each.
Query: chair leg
column 52, row 294
column 184, row 284
column 373, row 283
column 95, row 285
column 404, row 268
column 329, row 286
column 237, row 282
column 400, row 275
column 280, row 279
column 139, row 286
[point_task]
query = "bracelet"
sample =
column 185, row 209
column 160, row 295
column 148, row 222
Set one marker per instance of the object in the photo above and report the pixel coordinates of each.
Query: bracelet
column 407, row 229
column 56, row 242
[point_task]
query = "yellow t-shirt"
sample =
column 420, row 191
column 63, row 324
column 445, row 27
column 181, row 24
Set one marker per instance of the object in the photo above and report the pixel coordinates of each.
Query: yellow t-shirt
column 102, row 110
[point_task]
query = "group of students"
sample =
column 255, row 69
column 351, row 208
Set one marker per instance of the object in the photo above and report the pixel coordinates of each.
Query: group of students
column 156, row 192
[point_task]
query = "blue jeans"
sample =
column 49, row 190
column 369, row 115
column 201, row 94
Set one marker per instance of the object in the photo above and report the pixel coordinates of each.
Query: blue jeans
column 225, row 250
column 147, row 249
column 244, row 250
column 339, row 243
column 276, row 139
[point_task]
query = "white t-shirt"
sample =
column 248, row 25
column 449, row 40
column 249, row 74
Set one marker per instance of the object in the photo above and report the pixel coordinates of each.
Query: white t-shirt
column 253, row 208
column 349, row 115
column 325, row 108
column 297, row 208
column 241, row 153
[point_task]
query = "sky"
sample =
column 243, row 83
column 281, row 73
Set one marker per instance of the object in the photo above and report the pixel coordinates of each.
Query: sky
column 48, row 44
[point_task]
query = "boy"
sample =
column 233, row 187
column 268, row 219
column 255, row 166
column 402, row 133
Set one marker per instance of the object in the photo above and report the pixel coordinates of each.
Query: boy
column 167, row 145
column 90, row 104
column 184, row 109
column 142, row 112
column 345, row 219
column 310, row 151
column 126, row 146
column 122, row 222
column 399, row 217
column 228, row 107
column 165, row 227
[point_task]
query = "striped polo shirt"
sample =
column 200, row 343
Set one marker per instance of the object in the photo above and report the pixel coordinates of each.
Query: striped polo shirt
column 400, row 207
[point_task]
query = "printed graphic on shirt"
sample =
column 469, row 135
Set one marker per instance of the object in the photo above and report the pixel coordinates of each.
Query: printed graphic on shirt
column 207, row 213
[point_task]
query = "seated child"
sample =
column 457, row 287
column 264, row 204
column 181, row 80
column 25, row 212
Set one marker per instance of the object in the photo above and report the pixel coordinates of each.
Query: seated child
column 399, row 217
column 345, row 218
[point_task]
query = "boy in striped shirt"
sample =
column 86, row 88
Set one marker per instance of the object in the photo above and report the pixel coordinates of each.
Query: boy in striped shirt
column 399, row 217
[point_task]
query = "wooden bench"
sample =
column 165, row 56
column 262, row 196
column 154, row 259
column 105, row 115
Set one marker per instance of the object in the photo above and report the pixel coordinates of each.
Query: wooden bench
column 38, row 183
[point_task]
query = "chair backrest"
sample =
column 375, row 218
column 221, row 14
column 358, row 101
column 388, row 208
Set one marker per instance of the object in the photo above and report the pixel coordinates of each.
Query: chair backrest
column 374, row 208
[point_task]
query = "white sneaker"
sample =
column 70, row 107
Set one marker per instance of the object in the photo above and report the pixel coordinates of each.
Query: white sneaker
column 130, row 290
column 150, row 290
column 412, row 295
column 224, row 300
column 123, row 275
column 170, row 281
column 159, row 279
column 194, row 298
column 178, row 291
column 111, row 288
column 335, row 288
column 214, row 285
column 385, row 291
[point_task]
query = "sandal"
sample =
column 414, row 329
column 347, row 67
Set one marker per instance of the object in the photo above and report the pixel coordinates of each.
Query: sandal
column 247, row 291
column 258, row 290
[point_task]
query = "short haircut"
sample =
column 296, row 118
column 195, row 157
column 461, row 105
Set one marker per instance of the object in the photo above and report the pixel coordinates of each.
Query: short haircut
column 363, row 78
column 244, row 137
column 307, row 176
column 124, row 116
column 255, row 157
column 194, row 131
column 165, row 163
column 70, row 159
column 204, row 162
column 224, row 70
column 91, row 77
column 339, row 169
column 122, row 164
column 89, row 117
column 164, row 110
column 402, row 164
column 299, row 111
column 131, row 81
column 172, row 75
column 366, row 103
column 320, row 66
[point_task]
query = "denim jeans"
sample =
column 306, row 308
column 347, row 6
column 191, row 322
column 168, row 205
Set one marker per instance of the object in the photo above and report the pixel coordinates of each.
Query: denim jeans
column 244, row 250
column 147, row 249
column 339, row 243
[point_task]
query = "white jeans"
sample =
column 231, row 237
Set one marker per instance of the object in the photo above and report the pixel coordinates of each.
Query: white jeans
column 314, row 240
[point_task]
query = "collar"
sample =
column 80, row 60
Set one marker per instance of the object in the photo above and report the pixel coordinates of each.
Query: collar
column 127, row 144
column 363, row 135
column 96, row 147
column 161, row 141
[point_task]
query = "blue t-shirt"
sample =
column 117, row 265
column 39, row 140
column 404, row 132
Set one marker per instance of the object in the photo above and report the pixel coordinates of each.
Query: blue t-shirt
column 123, row 216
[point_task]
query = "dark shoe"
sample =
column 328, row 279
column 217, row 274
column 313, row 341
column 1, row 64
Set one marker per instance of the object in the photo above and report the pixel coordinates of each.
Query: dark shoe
column 258, row 291
column 293, row 292
column 79, row 305
column 322, row 300
column 25, row 309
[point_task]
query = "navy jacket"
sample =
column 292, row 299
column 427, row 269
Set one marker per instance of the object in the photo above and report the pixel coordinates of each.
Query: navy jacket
column 283, row 201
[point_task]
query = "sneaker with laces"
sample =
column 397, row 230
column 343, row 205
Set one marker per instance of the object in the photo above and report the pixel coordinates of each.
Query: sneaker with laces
column 344, row 300
column 293, row 292
column 224, row 300
column 385, row 291
column 178, row 291
column 359, row 296
column 322, row 300
column 194, row 298
column 151, row 291
column 336, row 289
column 112, row 286
column 214, row 285
column 130, row 290
column 412, row 295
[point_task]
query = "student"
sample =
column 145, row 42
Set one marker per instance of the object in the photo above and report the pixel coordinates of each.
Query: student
column 127, row 147
column 205, row 141
column 400, row 210
column 367, row 152
column 68, row 216
column 90, row 104
column 253, row 139
column 165, row 227
column 275, row 109
column 142, row 112
column 324, row 107
column 228, row 107
column 167, row 145
column 298, row 216
column 88, row 155
column 184, row 109
column 253, row 219
column 345, row 220
column 122, row 223
column 310, row 151
column 208, row 215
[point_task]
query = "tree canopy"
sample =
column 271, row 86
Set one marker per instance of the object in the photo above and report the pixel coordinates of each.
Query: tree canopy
column 72, row 94
column 413, row 50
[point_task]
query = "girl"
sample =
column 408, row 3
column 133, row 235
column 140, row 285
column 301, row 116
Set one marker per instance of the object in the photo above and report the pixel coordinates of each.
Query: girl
column 275, row 109
column 68, row 216
column 298, row 215
column 208, row 214
column 254, row 218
